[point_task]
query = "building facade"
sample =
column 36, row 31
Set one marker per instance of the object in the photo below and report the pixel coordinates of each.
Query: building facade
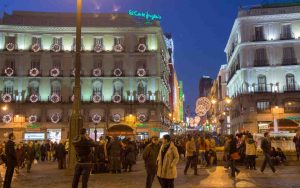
column 205, row 83
column 263, row 68
column 124, row 75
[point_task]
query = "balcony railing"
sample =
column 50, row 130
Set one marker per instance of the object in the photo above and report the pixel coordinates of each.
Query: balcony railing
column 292, row 109
column 262, row 88
column 261, row 63
column 287, row 36
column 259, row 37
column 291, row 88
column 289, row 61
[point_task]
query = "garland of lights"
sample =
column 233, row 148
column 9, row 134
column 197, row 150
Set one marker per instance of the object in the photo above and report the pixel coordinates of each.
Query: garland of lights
column 117, row 98
column 36, row 47
column 34, row 98
column 117, row 118
column 7, row 118
column 55, row 47
column 142, row 48
column 118, row 72
column 32, row 119
column 55, row 118
column 141, row 72
column 10, row 46
column 34, row 72
column 97, row 72
column 96, row 98
column 98, row 48
column 142, row 98
column 118, row 48
column 9, row 71
column 6, row 98
column 54, row 72
column 142, row 117
column 55, row 98
column 96, row 118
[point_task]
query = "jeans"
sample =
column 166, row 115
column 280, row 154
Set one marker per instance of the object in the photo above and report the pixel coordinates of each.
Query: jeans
column 267, row 160
column 233, row 168
column 166, row 183
column 150, row 179
column 251, row 161
column 189, row 162
column 8, row 176
column 202, row 158
column 84, row 170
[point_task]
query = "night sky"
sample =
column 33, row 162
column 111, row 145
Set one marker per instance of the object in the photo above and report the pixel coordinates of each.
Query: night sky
column 200, row 28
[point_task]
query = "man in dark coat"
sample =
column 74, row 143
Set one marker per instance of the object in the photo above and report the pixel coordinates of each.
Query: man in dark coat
column 83, row 146
column 129, row 156
column 11, row 158
column 61, row 155
column 29, row 156
column 150, row 158
column 266, row 147
column 114, row 150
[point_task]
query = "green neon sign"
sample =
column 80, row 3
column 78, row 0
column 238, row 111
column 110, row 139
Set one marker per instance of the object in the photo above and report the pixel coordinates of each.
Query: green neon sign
column 32, row 126
column 146, row 15
column 156, row 129
column 141, row 125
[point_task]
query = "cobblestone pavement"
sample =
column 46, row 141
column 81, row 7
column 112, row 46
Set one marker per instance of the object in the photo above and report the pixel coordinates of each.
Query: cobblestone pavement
column 46, row 175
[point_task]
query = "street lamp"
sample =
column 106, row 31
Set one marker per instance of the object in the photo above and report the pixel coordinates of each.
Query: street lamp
column 213, row 101
column 76, row 120
column 4, row 108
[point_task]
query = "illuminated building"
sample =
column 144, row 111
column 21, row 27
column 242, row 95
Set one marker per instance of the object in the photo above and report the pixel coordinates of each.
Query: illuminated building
column 205, row 84
column 263, row 53
column 125, row 74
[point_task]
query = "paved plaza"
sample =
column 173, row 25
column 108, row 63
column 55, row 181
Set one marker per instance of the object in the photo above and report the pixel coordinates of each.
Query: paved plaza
column 46, row 175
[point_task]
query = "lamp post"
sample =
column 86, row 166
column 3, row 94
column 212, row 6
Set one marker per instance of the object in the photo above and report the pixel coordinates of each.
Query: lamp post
column 95, row 131
column 76, row 120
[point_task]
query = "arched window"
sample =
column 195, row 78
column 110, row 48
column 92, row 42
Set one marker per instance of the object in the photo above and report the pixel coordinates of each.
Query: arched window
column 33, row 87
column 141, row 88
column 118, row 86
column 262, row 83
column 55, row 87
column 8, row 87
column 97, row 87
column 290, row 82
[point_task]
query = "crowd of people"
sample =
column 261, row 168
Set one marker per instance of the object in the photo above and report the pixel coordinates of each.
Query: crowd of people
column 116, row 155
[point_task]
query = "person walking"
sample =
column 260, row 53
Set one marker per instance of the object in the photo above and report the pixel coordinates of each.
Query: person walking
column 167, row 160
column 83, row 147
column 29, row 156
column 296, row 140
column 61, row 155
column 190, row 149
column 251, row 152
column 234, row 155
column 150, row 154
column 43, row 152
column 266, row 147
column 20, row 154
column 11, row 160
column 129, row 156
column 114, row 149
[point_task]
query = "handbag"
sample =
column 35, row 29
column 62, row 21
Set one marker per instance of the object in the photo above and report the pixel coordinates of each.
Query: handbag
column 235, row 156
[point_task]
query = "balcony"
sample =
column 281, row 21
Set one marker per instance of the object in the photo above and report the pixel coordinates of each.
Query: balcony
column 261, row 63
column 287, row 36
column 262, row 88
column 291, row 88
column 289, row 61
column 259, row 37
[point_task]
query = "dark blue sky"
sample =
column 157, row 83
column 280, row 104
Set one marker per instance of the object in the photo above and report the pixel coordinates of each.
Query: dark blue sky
column 200, row 29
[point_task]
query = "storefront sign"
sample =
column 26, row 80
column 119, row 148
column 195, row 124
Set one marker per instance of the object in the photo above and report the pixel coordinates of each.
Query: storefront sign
column 54, row 135
column 142, row 130
column 145, row 15
column 34, row 136
column 156, row 129
column 32, row 126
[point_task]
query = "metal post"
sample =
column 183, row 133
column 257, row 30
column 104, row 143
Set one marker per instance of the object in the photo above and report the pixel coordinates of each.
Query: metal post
column 76, row 121
column 95, row 131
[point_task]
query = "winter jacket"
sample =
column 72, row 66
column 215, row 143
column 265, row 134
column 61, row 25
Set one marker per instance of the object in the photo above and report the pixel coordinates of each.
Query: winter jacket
column 61, row 151
column 166, row 167
column 83, row 149
column 233, row 146
column 266, row 145
column 10, row 153
column 190, row 148
column 250, row 147
column 150, row 155
column 130, row 153
column 29, row 153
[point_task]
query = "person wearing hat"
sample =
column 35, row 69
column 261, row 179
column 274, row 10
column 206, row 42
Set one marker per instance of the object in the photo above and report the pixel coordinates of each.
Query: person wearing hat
column 150, row 157
column 83, row 147
column 11, row 159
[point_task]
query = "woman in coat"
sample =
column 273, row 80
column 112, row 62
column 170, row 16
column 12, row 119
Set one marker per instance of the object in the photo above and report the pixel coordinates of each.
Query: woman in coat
column 167, row 160
column 251, row 152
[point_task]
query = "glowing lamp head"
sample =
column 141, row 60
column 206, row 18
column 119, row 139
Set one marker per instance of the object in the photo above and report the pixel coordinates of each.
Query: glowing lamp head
column 4, row 108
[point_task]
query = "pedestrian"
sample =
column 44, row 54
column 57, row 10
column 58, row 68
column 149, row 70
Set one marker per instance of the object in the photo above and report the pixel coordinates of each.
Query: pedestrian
column 167, row 160
column 37, row 149
column 129, row 156
column 43, row 152
column 226, row 152
column 61, row 155
column 150, row 154
column 190, row 149
column 114, row 149
column 11, row 160
column 234, row 155
column 83, row 147
column 20, row 154
column 251, row 152
column 296, row 140
column 202, row 149
column 266, row 147
column 29, row 156
column 48, row 150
